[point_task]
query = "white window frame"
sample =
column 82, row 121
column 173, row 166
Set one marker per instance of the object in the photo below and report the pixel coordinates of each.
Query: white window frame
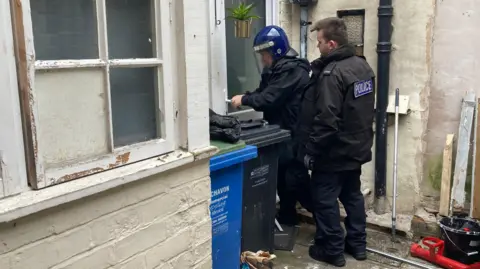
column 218, row 57
column 189, row 52
column 13, row 176
column 40, row 177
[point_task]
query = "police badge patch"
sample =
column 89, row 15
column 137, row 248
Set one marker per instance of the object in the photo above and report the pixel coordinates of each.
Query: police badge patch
column 361, row 88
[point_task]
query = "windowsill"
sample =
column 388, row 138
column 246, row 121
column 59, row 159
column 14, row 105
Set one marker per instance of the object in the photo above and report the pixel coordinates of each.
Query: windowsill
column 32, row 201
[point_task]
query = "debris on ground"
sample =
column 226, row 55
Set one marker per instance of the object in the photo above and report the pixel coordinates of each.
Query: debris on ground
column 258, row 260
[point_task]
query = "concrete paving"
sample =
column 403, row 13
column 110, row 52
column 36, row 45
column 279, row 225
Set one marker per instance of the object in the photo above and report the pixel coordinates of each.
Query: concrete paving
column 299, row 259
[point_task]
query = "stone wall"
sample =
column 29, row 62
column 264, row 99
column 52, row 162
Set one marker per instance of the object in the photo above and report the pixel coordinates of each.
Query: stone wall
column 455, row 71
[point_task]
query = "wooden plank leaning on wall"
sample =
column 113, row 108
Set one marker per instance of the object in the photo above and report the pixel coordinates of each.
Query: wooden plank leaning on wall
column 446, row 176
column 457, row 203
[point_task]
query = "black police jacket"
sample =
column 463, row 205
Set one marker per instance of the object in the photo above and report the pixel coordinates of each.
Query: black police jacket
column 336, row 120
column 280, row 92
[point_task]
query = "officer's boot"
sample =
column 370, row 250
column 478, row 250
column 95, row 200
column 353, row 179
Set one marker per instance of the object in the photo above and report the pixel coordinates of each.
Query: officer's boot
column 316, row 252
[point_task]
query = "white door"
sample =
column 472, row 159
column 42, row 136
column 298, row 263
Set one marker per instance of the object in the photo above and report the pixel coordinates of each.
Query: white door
column 232, row 61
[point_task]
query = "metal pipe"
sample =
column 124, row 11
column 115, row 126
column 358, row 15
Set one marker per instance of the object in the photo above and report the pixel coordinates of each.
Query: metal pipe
column 395, row 164
column 303, row 30
column 393, row 257
column 384, row 48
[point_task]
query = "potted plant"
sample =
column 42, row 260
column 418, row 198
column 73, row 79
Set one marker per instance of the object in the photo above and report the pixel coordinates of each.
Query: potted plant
column 243, row 19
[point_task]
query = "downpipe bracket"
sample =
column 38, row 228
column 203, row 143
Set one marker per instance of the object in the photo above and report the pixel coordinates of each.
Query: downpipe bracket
column 384, row 47
column 385, row 11
column 305, row 23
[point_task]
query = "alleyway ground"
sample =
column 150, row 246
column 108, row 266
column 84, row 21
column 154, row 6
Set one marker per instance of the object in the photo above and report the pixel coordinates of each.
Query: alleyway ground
column 299, row 259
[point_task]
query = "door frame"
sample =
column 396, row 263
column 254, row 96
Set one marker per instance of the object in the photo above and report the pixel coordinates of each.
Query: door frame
column 218, row 57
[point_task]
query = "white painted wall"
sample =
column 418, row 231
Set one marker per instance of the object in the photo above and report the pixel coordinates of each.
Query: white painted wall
column 455, row 71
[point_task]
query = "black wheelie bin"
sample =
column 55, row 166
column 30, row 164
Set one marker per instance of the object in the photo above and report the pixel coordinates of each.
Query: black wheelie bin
column 260, row 184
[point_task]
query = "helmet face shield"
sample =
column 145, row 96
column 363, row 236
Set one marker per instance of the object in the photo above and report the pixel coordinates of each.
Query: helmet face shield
column 258, row 61
column 263, row 59
column 264, row 46
column 263, row 56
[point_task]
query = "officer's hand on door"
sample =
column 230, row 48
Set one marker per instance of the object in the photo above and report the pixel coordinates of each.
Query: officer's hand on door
column 237, row 101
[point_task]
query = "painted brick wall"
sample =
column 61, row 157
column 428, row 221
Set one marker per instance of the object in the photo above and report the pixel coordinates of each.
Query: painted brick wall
column 289, row 20
column 285, row 17
column 159, row 222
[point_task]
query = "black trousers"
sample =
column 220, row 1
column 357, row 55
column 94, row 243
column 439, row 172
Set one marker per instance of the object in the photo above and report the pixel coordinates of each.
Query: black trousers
column 293, row 184
column 327, row 187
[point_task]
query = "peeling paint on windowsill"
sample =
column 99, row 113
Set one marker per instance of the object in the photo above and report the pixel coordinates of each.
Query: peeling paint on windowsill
column 33, row 201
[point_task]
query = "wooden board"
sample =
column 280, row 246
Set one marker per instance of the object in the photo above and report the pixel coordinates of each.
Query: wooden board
column 475, row 200
column 446, row 176
column 463, row 149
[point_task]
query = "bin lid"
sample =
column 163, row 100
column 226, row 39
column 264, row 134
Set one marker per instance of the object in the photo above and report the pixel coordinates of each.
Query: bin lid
column 224, row 147
column 265, row 135
column 232, row 158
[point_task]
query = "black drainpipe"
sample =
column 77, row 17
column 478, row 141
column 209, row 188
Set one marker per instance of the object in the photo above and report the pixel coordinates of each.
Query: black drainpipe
column 384, row 48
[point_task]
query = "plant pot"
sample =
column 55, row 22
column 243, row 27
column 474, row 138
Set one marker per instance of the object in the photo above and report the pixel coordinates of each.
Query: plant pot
column 243, row 28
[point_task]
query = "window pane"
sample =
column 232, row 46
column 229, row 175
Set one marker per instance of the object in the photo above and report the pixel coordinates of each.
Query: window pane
column 242, row 71
column 133, row 92
column 129, row 26
column 64, row 29
column 72, row 115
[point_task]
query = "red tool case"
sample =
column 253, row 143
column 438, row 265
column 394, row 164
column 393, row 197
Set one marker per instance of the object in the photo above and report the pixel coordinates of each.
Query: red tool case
column 434, row 254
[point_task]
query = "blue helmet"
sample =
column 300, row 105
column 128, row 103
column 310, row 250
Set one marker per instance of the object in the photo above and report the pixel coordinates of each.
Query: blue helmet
column 272, row 39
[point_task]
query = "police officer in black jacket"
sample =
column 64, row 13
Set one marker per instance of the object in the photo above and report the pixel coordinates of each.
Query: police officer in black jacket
column 279, row 98
column 335, row 139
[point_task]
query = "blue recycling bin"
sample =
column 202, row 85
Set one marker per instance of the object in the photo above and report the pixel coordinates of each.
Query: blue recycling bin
column 226, row 173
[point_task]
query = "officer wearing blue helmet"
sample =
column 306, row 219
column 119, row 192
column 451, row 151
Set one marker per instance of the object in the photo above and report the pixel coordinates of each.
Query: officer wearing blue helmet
column 278, row 96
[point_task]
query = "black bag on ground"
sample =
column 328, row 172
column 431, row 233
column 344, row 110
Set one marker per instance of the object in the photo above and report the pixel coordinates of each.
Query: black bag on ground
column 224, row 128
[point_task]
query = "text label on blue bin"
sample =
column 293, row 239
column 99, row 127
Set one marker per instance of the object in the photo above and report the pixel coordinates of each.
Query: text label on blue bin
column 217, row 209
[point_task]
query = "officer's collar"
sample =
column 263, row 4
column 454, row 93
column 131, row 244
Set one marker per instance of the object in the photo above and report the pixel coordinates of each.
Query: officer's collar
column 340, row 53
